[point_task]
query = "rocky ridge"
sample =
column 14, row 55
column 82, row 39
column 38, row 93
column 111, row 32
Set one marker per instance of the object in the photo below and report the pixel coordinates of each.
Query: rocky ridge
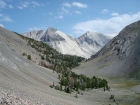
column 85, row 46
column 120, row 56
column 24, row 82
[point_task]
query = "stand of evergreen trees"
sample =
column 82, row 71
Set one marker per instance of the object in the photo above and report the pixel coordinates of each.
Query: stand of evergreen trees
column 62, row 64
column 57, row 61
column 72, row 81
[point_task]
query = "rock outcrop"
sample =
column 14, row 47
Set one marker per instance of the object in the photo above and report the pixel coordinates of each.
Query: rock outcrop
column 120, row 56
column 85, row 46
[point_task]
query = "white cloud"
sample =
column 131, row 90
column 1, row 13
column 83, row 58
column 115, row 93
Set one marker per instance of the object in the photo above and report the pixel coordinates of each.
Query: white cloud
column 64, row 10
column 37, row 28
column 115, row 14
column 5, row 18
column 10, row 6
column 34, row 28
column 59, row 17
column 105, row 11
column 77, row 12
column 80, row 5
column 50, row 13
column 23, row 5
column 111, row 26
column 2, row 4
column 20, row 7
column 67, row 5
column 1, row 25
column 27, row 4
column 35, row 4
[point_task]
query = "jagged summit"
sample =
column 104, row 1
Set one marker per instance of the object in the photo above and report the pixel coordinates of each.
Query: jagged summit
column 91, row 37
column 85, row 46
column 51, row 29
column 123, row 42
column 51, row 35
column 36, row 34
column 23, row 81
column 120, row 56
column 92, row 41
column 124, row 49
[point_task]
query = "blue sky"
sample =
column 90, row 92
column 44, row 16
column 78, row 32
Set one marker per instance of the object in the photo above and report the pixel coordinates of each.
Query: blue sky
column 73, row 17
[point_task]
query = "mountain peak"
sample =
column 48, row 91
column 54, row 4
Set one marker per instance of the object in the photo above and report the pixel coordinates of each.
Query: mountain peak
column 51, row 29
column 122, row 53
column 89, row 32
column 84, row 46
column 92, row 34
column 93, row 37
column 35, row 34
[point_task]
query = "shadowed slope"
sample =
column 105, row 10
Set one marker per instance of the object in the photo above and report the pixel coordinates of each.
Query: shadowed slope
column 119, row 57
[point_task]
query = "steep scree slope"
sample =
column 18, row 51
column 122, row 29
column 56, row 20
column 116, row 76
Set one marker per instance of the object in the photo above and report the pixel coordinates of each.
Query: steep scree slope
column 85, row 46
column 119, row 57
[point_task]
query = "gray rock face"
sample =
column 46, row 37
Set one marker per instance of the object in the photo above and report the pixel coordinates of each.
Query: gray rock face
column 38, row 32
column 124, row 50
column 22, row 81
column 93, row 38
column 85, row 46
column 50, row 35
column 34, row 34
column 124, row 42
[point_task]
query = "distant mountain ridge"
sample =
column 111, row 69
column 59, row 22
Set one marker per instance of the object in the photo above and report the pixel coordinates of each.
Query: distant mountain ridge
column 85, row 46
column 119, row 57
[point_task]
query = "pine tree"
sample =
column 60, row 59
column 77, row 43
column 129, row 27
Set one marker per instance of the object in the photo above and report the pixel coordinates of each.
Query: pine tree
column 29, row 57
column 62, row 79
column 68, row 90
column 59, row 76
column 60, row 87
column 83, row 87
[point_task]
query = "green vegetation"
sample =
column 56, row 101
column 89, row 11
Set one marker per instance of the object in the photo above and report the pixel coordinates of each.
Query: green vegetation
column 74, row 82
column 77, row 82
column 62, row 65
column 56, row 61
column 112, row 98
column 135, row 73
column 24, row 54
column 29, row 57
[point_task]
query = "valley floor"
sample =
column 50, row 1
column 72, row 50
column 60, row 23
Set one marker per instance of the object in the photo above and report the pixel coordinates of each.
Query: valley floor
column 19, row 94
